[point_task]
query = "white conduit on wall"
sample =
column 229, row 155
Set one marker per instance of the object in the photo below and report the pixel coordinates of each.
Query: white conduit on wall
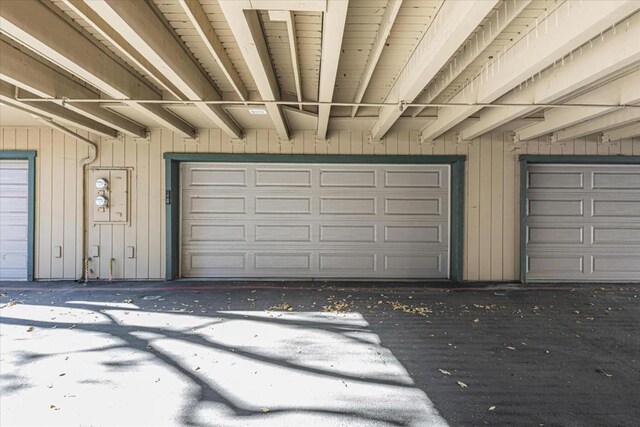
column 81, row 183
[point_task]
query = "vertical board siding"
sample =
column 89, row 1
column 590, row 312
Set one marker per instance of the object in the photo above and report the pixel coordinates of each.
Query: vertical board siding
column 492, row 175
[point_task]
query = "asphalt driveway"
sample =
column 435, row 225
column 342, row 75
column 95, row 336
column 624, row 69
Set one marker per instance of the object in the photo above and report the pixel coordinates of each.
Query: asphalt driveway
column 303, row 354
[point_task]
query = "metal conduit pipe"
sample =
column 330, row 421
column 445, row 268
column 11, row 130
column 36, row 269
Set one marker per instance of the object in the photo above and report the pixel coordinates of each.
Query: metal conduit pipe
column 81, row 185
column 400, row 105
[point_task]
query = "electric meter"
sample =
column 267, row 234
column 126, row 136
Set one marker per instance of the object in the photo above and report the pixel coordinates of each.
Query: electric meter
column 101, row 201
column 101, row 183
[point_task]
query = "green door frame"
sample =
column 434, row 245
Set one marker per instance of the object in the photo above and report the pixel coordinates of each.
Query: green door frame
column 30, row 157
column 526, row 160
column 172, row 193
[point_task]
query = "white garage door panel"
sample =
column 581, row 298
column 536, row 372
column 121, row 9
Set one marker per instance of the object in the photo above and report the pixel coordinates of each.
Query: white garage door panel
column 583, row 222
column 331, row 221
column 14, row 190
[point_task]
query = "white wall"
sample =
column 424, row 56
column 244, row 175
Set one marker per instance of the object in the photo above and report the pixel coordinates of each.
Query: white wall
column 491, row 199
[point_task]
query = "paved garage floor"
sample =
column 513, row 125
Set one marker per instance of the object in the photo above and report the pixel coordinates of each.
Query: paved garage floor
column 304, row 354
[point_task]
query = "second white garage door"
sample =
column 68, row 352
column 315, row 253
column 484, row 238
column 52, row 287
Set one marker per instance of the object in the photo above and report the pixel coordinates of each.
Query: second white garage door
column 14, row 191
column 242, row 220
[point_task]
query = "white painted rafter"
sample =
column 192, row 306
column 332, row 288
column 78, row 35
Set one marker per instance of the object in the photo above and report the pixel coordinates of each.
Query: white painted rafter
column 473, row 48
column 552, row 39
column 605, row 55
column 388, row 19
column 630, row 131
column 245, row 26
column 332, row 34
column 25, row 72
column 453, row 24
column 623, row 91
column 295, row 5
column 143, row 29
column 287, row 17
column 34, row 25
column 50, row 110
column 197, row 16
column 119, row 42
column 624, row 116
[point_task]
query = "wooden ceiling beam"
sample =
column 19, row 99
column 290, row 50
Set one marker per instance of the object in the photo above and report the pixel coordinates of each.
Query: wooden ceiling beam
column 50, row 110
column 388, row 19
column 138, row 23
column 200, row 21
column 34, row 25
column 29, row 74
column 606, row 55
column 624, row 116
column 287, row 17
column 119, row 42
column 333, row 23
column 245, row 26
column 622, row 133
column 623, row 91
column 473, row 49
column 452, row 25
column 553, row 38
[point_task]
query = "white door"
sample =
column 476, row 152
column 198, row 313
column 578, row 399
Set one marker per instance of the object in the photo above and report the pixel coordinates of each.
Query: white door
column 314, row 220
column 583, row 222
column 14, row 219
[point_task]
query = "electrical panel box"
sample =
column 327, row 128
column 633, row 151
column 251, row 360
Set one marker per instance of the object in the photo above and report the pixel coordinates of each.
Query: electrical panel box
column 109, row 190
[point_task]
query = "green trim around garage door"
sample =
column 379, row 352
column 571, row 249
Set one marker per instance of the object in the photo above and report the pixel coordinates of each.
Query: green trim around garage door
column 30, row 156
column 172, row 194
column 526, row 160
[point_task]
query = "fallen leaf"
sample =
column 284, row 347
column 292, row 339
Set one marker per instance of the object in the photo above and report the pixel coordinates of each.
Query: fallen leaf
column 492, row 408
column 30, row 329
column 462, row 385
column 281, row 307
column 442, row 371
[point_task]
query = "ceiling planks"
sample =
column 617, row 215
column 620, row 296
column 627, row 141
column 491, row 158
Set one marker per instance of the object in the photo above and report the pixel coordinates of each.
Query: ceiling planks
column 153, row 62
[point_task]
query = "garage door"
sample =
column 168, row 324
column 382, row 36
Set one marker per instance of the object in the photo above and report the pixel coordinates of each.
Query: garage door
column 314, row 221
column 583, row 222
column 14, row 191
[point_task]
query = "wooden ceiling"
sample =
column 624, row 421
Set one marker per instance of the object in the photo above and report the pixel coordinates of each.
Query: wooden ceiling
column 128, row 66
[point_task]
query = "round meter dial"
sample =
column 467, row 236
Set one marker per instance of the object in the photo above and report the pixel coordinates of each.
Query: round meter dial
column 101, row 201
column 101, row 183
